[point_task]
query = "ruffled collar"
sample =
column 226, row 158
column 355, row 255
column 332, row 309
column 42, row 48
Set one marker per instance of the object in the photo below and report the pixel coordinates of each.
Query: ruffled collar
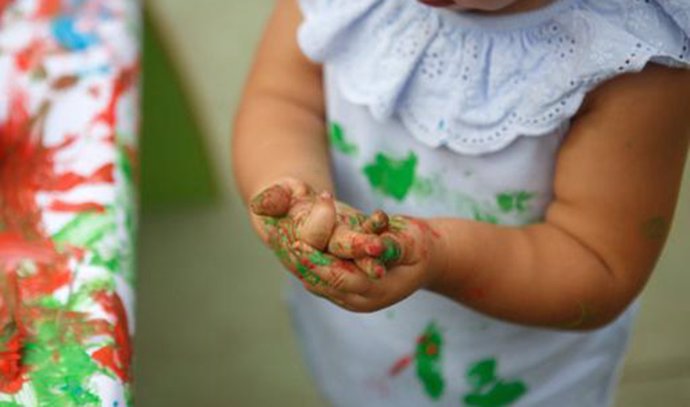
column 475, row 82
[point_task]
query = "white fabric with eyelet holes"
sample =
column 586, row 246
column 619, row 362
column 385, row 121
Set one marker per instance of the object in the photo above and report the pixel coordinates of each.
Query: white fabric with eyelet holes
column 475, row 83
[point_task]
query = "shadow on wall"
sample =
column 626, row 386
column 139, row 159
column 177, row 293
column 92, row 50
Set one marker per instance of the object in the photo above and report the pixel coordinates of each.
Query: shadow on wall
column 174, row 164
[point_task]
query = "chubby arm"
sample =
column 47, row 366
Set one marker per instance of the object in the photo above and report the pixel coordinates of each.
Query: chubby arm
column 616, row 185
column 279, row 129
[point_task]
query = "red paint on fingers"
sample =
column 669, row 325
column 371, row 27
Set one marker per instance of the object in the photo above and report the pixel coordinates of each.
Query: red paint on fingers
column 274, row 202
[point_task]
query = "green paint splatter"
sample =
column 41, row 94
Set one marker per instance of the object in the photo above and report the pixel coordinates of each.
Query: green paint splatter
column 428, row 361
column 514, row 201
column 423, row 187
column 336, row 135
column 9, row 404
column 392, row 177
column 488, row 390
column 61, row 368
column 86, row 229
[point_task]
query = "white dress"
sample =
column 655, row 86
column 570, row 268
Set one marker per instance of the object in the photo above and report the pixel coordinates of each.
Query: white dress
column 438, row 113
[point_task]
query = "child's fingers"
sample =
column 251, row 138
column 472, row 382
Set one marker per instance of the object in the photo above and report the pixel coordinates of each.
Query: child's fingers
column 317, row 226
column 377, row 223
column 349, row 244
column 374, row 268
column 337, row 274
column 273, row 201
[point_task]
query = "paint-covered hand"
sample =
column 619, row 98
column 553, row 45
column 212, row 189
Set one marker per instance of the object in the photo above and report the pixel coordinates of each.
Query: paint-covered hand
column 291, row 213
column 412, row 255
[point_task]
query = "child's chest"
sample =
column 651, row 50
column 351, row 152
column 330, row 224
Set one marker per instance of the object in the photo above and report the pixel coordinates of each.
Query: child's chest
column 380, row 165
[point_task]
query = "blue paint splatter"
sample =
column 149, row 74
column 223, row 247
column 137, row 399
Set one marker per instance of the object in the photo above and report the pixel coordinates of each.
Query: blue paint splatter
column 65, row 32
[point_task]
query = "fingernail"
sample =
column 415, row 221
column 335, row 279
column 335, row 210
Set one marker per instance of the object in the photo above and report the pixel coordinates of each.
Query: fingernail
column 273, row 201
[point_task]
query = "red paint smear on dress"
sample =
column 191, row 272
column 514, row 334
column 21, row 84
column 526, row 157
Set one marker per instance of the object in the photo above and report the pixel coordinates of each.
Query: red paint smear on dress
column 400, row 365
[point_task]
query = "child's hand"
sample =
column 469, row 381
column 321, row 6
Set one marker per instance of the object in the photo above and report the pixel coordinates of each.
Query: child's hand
column 412, row 254
column 291, row 211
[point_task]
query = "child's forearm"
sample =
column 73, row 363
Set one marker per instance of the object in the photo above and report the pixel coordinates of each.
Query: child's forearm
column 537, row 275
column 291, row 143
column 616, row 185
column 279, row 129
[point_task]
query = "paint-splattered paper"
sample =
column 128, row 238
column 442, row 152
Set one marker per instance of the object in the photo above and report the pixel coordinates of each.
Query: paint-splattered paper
column 68, row 158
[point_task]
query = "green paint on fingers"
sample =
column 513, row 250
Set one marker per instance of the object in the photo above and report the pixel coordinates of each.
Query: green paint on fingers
column 391, row 252
column 428, row 361
column 488, row 390
column 307, row 275
column 391, row 176
column 320, row 259
column 336, row 135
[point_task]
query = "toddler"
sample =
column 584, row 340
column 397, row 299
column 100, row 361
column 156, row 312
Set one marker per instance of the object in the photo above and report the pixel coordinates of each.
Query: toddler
column 526, row 156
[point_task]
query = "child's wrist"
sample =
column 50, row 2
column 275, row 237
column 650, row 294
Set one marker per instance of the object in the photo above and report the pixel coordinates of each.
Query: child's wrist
column 438, row 255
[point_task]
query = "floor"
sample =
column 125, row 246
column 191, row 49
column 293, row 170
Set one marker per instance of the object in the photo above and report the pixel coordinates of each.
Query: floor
column 212, row 330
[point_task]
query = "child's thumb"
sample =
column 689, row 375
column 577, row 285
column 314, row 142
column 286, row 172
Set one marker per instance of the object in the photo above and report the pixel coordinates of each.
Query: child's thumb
column 317, row 226
column 273, row 201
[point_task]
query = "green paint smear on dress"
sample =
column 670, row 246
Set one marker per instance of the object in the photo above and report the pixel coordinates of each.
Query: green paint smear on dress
column 514, row 201
column 61, row 368
column 391, row 176
column 488, row 390
column 337, row 138
column 428, row 361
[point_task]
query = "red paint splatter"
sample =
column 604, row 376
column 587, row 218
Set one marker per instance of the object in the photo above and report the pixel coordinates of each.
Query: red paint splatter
column 11, row 368
column 3, row 5
column 14, row 248
column 31, row 56
column 62, row 206
column 13, row 336
column 109, row 115
column 70, row 180
column 400, row 365
column 115, row 357
column 48, row 8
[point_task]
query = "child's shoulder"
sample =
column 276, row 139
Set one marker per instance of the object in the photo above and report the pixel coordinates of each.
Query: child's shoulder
column 476, row 82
